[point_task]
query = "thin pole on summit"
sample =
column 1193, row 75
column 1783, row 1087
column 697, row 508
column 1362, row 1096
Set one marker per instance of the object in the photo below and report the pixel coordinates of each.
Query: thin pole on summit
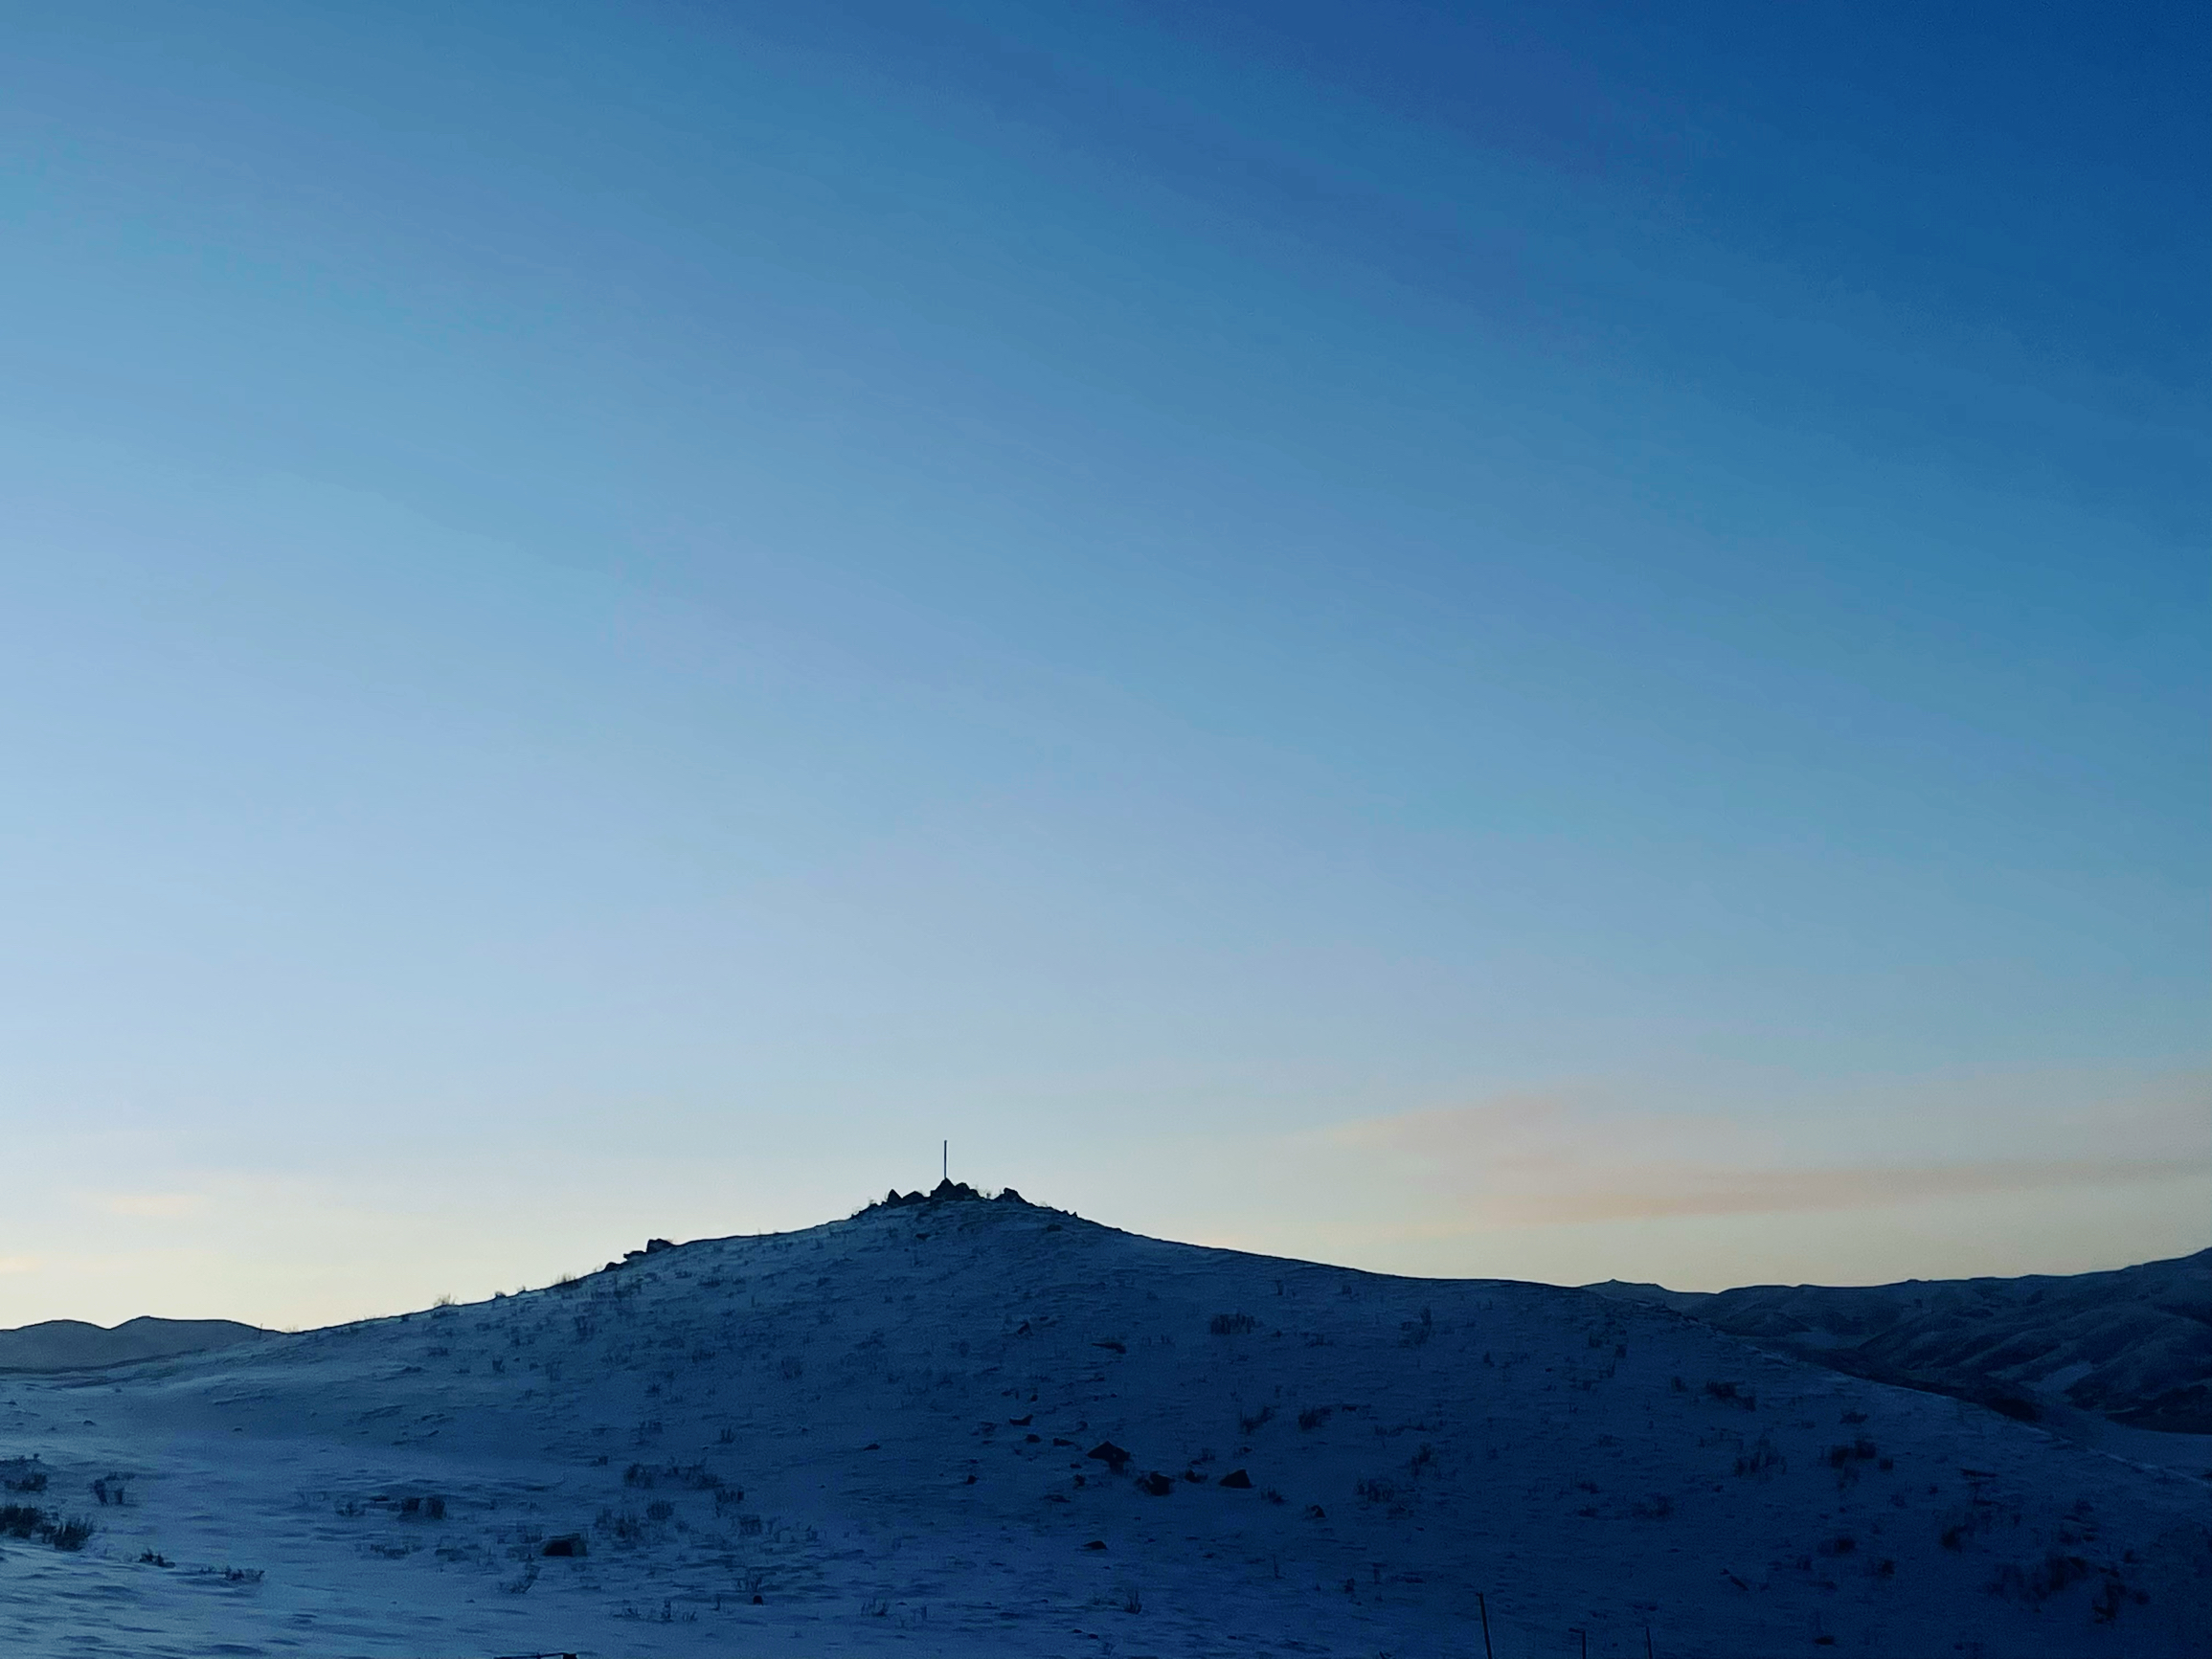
column 946, row 1154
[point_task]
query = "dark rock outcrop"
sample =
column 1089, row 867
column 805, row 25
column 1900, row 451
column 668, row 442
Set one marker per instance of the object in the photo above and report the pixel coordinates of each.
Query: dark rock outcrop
column 946, row 1191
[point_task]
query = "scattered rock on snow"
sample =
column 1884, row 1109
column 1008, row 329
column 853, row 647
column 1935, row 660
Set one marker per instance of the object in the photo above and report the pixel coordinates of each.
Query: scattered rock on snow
column 1110, row 1454
column 1236, row 1478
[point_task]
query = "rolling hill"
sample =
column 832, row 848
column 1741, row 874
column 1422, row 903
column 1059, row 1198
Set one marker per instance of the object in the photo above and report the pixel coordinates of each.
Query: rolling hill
column 984, row 1427
column 72, row 1345
column 2132, row 1345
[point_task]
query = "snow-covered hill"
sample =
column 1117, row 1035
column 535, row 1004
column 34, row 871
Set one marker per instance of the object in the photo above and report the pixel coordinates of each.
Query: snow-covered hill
column 2133, row 1346
column 71, row 1344
column 903, row 1433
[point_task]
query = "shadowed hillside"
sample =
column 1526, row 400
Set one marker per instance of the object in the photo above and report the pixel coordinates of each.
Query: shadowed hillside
column 72, row 1345
column 2134, row 1345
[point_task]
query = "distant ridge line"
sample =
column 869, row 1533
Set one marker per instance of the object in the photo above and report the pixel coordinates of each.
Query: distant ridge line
column 76, row 1345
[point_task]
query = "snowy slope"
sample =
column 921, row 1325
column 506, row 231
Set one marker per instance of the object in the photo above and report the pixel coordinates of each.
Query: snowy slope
column 2133, row 1346
column 71, row 1344
column 880, row 1428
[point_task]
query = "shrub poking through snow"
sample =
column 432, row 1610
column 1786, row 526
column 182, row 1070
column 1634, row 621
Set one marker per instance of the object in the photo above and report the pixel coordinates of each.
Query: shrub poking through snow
column 2037, row 1584
column 21, row 1474
column 2111, row 1595
column 623, row 1524
column 19, row 1520
column 1761, row 1458
column 1233, row 1324
column 24, row 1522
column 1264, row 1414
column 1860, row 1451
column 1314, row 1416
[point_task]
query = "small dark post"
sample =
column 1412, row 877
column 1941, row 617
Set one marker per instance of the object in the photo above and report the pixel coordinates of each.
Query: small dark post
column 1577, row 1630
column 1483, row 1607
column 1647, row 1642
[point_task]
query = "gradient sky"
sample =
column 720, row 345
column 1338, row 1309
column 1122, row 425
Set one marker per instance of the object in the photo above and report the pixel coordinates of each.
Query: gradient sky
column 1557, row 640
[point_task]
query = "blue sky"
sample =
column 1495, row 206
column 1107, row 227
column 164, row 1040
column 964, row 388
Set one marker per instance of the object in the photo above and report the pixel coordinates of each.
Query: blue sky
column 1556, row 640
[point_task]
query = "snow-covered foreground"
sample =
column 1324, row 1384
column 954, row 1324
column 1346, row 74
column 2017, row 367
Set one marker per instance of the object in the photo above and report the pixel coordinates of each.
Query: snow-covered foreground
column 874, row 1436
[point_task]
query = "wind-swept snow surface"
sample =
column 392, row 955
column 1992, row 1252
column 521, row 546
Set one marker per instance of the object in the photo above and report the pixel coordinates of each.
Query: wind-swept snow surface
column 901, row 1433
